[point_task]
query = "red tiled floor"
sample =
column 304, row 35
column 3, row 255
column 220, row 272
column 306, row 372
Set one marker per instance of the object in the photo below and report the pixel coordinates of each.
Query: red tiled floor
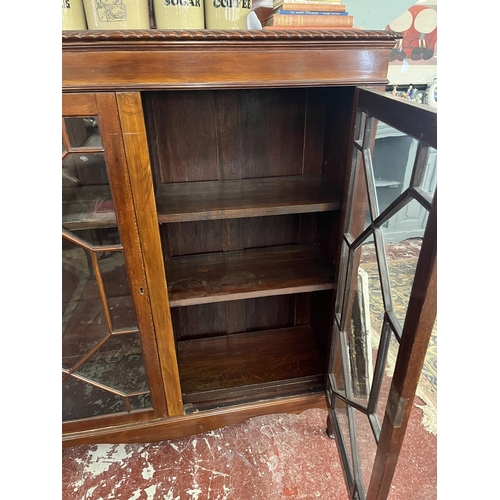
column 265, row 458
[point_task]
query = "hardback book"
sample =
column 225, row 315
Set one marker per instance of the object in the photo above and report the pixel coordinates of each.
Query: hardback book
column 277, row 3
column 317, row 7
column 307, row 28
column 311, row 20
column 311, row 13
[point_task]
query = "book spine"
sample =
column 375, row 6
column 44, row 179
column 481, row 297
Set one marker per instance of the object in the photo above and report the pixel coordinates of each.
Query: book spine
column 315, row 2
column 314, row 7
column 306, row 28
column 311, row 20
column 312, row 13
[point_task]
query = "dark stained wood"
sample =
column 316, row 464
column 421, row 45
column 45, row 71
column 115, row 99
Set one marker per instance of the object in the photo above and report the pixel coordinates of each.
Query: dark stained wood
column 159, row 60
column 424, row 119
column 186, row 140
column 189, row 238
column 201, row 279
column 200, row 321
column 193, row 201
column 266, row 103
column 134, row 136
column 263, row 313
column 248, row 358
column 272, row 127
column 182, row 426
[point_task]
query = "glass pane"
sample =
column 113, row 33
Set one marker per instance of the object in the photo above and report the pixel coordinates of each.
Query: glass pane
column 429, row 180
column 367, row 448
column 359, row 126
column 340, row 412
column 86, row 196
column 389, row 364
column 337, row 368
column 363, row 323
column 82, row 400
column 114, row 276
column 83, row 132
column 118, row 364
column 358, row 217
column 84, row 324
column 393, row 157
column 97, row 302
column 403, row 234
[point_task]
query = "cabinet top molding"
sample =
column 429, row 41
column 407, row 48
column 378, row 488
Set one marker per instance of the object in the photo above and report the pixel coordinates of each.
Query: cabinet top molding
column 72, row 37
column 138, row 60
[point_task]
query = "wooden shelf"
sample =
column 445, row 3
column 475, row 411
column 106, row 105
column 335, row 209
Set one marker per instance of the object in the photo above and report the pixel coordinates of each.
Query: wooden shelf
column 243, row 274
column 192, row 201
column 237, row 365
column 87, row 207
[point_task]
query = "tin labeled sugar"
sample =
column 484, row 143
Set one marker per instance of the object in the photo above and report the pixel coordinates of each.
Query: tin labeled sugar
column 179, row 14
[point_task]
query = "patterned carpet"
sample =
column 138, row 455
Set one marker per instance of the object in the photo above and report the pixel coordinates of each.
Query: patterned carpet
column 402, row 261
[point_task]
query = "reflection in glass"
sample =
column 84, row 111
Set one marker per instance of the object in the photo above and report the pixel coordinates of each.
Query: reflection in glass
column 403, row 234
column 82, row 400
column 114, row 276
column 367, row 449
column 117, row 364
column 385, row 385
column 359, row 217
column 337, row 368
column 83, row 324
column 83, row 132
column 393, row 157
column 429, row 180
column 86, row 196
column 342, row 420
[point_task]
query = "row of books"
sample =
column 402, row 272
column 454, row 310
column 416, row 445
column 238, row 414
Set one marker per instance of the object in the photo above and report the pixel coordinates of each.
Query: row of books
column 309, row 14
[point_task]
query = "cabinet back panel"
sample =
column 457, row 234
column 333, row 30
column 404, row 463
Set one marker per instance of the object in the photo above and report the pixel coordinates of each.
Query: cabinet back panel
column 338, row 134
column 237, row 316
column 239, row 134
column 188, row 238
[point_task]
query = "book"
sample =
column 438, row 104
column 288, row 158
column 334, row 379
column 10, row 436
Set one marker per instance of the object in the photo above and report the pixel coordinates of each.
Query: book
column 307, row 28
column 277, row 3
column 316, row 21
column 311, row 13
column 317, row 7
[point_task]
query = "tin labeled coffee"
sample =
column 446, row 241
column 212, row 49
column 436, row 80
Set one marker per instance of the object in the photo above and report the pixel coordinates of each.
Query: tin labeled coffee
column 227, row 14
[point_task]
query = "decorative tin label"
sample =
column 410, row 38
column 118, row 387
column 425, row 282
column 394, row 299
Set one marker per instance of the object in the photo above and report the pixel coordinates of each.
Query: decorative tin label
column 111, row 10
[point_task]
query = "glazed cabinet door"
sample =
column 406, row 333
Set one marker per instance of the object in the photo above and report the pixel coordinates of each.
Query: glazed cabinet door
column 385, row 309
column 110, row 364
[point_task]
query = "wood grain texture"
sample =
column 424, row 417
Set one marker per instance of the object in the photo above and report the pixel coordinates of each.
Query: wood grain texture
column 205, row 278
column 79, row 105
column 188, row 425
column 178, row 60
column 120, row 183
column 248, row 358
column 134, row 136
column 193, row 201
